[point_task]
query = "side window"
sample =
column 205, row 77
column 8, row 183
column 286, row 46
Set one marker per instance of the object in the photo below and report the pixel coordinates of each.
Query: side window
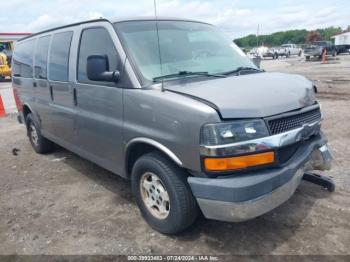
column 59, row 56
column 95, row 41
column 23, row 59
column 41, row 54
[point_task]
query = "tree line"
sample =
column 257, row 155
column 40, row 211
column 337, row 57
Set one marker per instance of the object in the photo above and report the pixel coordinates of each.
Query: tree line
column 291, row 36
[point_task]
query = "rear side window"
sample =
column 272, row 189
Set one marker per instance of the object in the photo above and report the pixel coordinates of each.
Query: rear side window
column 41, row 54
column 23, row 59
column 95, row 41
column 59, row 56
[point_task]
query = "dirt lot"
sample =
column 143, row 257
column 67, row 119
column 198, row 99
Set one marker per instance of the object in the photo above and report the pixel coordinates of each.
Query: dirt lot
column 62, row 204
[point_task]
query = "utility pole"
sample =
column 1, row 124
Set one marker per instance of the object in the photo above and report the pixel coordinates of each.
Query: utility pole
column 257, row 36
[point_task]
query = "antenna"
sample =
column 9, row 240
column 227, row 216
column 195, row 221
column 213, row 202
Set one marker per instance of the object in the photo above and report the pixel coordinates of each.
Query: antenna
column 160, row 57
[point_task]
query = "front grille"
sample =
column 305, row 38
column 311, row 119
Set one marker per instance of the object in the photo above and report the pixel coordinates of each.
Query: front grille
column 284, row 124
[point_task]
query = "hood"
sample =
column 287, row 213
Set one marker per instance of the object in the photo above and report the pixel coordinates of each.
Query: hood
column 253, row 95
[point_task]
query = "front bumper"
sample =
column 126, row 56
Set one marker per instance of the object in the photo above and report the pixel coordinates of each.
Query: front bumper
column 247, row 196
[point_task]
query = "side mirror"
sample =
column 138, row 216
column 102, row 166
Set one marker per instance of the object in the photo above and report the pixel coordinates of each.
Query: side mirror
column 97, row 69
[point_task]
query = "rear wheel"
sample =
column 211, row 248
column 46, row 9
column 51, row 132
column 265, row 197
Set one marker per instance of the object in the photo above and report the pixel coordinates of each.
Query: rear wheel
column 39, row 143
column 163, row 194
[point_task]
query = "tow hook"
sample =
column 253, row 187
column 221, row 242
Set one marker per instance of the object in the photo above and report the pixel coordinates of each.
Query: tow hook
column 323, row 181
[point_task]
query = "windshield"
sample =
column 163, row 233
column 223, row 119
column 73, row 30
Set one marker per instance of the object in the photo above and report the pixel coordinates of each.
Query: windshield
column 184, row 47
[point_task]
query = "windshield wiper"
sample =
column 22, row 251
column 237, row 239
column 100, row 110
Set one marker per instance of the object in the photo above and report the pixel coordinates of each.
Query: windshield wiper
column 186, row 73
column 238, row 70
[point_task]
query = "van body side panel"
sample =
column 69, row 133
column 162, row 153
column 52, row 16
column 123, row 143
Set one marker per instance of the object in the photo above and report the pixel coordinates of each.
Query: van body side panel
column 62, row 111
column 171, row 119
column 41, row 84
column 22, row 72
column 99, row 106
column 42, row 104
column 99, row 124
column 26, row 91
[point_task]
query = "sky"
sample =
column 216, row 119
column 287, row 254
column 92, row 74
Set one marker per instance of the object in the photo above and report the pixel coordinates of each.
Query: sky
column 235, row 17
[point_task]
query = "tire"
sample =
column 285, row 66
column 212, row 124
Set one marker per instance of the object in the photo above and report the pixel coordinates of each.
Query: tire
column 180, row 211
column 307, row 58
column 40, row 144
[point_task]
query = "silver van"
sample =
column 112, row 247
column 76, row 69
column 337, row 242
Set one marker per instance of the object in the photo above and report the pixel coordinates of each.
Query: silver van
column 176, row 107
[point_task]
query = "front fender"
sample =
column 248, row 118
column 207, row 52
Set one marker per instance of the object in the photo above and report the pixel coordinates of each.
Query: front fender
column 155, row 144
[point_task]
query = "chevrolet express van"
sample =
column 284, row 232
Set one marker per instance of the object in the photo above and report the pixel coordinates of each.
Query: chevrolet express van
column 177, row 108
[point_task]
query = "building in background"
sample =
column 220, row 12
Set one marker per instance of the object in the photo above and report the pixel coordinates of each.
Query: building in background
column 342, row 42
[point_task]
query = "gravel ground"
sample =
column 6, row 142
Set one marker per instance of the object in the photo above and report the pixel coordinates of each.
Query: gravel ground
column 61, row 204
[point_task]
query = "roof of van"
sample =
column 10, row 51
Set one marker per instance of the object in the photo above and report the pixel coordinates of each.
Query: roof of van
column 152, row 18
column 115, row 20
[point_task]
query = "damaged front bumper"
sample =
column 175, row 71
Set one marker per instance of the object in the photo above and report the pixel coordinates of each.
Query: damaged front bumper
column 239, row 198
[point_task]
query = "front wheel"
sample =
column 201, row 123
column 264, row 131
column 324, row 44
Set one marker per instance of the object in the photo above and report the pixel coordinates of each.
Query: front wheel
column 163, row 194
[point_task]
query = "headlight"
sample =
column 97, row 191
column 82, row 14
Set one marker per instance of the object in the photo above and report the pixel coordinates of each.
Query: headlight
column 233, row 132
column 234, row 157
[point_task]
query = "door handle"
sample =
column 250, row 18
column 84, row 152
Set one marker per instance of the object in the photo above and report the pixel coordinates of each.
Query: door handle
column 51, row 93
column 75, row 100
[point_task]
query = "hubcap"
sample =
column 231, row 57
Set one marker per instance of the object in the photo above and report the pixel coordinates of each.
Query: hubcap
column 154, row 195
column 33, row 134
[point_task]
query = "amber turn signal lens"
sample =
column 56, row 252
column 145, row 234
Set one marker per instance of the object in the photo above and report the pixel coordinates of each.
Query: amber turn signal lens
column 238, row 162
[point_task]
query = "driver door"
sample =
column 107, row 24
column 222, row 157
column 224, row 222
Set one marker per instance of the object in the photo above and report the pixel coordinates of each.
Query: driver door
column 99, row 105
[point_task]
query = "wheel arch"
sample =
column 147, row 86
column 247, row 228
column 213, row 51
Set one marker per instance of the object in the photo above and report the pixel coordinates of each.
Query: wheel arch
column 137, row 147
column 26, row 110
